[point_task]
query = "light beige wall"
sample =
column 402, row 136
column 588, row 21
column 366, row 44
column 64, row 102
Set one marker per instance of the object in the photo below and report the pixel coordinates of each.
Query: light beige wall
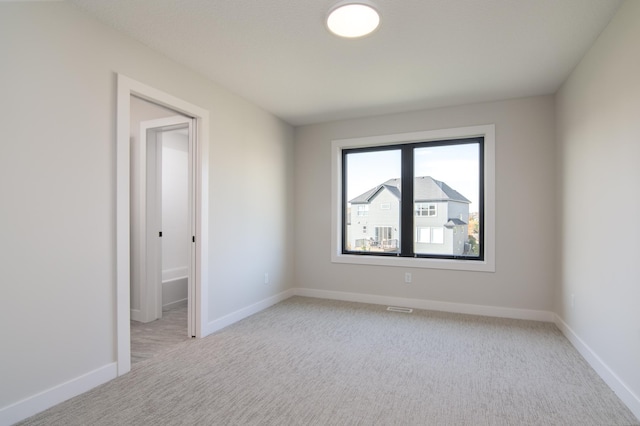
column 57, row 183
column 525, row 212
column 599, row 145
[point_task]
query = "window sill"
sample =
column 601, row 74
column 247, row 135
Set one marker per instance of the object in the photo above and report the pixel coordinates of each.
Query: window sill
column 410, row 262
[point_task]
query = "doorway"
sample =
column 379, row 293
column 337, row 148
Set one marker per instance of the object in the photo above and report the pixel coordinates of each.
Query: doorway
column 162, row 211
column 168, row 217
column 162, row 228
column 127, row 199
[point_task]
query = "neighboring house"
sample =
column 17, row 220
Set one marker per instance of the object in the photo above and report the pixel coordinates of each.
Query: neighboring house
column 441, row 218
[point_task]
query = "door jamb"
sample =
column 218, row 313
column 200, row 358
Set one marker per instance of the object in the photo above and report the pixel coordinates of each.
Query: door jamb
column 126, row 87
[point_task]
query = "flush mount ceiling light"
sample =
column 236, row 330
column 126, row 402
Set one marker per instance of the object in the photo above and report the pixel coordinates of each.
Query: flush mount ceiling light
column 353, row 19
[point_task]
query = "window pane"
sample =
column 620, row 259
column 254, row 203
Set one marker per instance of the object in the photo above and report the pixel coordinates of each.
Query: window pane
column 424, row 235
column 446, row 199
column 372, row 184
column 437, row 235
column 426, row 209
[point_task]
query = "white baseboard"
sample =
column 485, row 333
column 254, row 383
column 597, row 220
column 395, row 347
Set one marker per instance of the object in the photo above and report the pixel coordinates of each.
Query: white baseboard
column 243, row 313
column 430, row 305
column 176, row 304
column 631, row 400
column 136, row 315
column 39, row 402
column 175, row 273
column 174, row 291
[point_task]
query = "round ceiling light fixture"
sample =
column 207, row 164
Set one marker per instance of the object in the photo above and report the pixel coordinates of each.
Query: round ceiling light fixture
column 353, row 19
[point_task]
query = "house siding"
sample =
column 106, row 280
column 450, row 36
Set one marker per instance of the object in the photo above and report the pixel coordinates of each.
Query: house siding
column 377, row 217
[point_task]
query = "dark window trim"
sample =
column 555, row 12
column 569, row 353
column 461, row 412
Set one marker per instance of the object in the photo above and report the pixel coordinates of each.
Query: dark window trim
column 407, row 203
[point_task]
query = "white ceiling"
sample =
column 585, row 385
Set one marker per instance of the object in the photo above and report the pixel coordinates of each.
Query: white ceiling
column 425, row 54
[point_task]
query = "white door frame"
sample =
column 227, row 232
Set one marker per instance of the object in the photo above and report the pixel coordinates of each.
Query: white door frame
column 149, row 211
column 126, row 88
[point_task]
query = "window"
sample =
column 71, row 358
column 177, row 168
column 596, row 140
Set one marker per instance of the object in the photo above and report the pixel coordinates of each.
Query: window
column 435, row 196
column 437, row 235
column 424, row 235
column 430, row 235
column 426, row 209
column 418, row 176
column 363, row 210
column 385, row 240
column 373, row 166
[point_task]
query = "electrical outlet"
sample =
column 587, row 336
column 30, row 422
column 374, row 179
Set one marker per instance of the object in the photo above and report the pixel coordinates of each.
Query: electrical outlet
column 407, row 277
column 266, row 278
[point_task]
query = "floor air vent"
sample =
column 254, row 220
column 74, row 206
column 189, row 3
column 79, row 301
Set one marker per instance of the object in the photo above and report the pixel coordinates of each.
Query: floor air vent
column 398, row 309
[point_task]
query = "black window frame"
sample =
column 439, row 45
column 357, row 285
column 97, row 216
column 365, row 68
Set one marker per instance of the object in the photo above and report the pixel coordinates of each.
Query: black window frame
column 407, row 203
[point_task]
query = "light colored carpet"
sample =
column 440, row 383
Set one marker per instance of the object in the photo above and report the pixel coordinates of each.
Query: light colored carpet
column 151, row 338
column 317, row 362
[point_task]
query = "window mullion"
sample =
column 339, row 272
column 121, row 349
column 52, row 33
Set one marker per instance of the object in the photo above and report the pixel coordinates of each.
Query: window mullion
column 406, row 216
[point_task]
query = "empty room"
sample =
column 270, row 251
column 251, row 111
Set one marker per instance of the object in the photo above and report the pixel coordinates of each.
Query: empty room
column 400, row 217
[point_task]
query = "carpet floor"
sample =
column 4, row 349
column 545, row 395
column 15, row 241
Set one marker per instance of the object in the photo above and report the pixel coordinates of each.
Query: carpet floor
column 318, row 362
column 151, row 338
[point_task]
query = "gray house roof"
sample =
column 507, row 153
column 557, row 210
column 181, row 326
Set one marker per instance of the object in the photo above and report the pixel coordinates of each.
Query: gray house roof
column 425, row 189
column 454, row 222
